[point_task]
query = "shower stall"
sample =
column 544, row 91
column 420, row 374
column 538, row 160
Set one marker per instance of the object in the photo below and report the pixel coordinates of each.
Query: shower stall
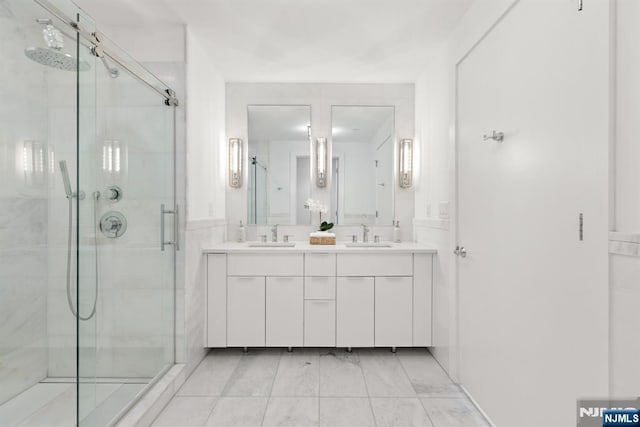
column 88, row 221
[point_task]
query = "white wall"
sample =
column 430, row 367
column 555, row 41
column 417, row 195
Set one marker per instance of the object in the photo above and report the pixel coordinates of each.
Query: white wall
column 205, row 133
column 627, row 150
column 205, row 104
column 624, row 245
column 320, row 97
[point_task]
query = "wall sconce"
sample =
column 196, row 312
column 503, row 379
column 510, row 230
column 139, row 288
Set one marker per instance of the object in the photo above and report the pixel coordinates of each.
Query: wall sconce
column 321, row 162
column 235, row 162
column 406, row 163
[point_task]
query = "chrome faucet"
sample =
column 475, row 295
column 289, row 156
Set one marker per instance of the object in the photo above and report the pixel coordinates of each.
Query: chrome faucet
column 365, row 233
column 274, row 233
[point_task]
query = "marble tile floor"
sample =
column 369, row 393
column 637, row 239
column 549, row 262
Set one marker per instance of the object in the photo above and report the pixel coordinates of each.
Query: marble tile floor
column 52, row 403
column 319, row 387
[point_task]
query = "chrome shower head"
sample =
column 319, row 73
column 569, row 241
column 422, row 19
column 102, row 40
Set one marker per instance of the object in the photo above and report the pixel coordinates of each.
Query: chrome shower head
column 55, row 58
column 53, row 55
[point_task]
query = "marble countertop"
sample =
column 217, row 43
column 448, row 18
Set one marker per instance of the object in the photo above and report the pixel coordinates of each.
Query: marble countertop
column 301, row 247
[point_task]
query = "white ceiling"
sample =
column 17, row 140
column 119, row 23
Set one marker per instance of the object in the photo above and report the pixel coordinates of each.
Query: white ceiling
column 381, row 41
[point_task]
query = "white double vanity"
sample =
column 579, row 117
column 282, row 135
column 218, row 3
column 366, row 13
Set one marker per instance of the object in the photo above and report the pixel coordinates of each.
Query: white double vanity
column 319, row 296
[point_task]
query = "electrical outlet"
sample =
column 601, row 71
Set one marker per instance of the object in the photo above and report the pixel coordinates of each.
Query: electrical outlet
column 443, row 211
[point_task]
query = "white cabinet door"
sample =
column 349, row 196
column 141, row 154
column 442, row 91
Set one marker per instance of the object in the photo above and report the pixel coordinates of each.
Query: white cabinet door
column 394, row 312
column 422, row 299
column 284, row 315
column 216, row 300
column 354, row 316
column 320, row 323
column 245, row 311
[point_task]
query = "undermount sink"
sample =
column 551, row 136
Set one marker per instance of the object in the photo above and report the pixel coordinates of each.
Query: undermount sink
column 271, row 245
column 369, row 245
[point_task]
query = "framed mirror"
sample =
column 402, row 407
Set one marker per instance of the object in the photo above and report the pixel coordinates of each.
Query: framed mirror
column 279, row 164
column 362, row 189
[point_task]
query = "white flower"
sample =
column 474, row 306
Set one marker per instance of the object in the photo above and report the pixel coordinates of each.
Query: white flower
column 315, row 206
column 309, row 203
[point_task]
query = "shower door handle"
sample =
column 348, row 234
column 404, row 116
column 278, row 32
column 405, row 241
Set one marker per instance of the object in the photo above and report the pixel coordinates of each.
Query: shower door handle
column 176, row 227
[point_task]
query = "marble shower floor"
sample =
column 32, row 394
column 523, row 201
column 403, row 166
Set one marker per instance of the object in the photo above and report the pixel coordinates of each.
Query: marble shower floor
column 270, row 387
column 52, row 403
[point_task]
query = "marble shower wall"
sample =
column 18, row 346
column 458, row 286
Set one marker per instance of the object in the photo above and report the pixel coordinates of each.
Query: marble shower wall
column 23, row 206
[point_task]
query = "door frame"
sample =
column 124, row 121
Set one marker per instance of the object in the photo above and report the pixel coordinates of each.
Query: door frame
column 494, row 19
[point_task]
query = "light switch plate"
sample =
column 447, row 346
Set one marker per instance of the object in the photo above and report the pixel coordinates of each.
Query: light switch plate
column 443, row 211
column 429, row 210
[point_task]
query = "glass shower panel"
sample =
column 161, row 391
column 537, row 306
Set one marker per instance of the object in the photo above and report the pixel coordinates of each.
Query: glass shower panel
column 86, row 162
column 90, row 304
column 38, row 268
column 26, row 183
column 131, row 165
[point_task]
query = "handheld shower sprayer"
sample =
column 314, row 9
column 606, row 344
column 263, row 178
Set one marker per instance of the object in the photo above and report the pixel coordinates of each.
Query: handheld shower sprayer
column 67, row 182
column 65, row 178
column 79, row 195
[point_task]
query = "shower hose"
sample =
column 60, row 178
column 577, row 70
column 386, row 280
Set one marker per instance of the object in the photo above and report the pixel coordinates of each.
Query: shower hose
column 75, row 312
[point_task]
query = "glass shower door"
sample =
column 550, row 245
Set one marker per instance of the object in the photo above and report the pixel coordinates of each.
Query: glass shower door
column 87, row 292
column 126, row 236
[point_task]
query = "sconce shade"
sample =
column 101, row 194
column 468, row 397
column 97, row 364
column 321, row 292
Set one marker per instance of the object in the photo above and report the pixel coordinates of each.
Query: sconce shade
column 321, row 162
column 235, row 162
column 405, row 170
column 111, row 156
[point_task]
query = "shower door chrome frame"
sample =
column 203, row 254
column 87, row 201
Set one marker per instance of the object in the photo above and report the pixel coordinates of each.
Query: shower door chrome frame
column 96, row 38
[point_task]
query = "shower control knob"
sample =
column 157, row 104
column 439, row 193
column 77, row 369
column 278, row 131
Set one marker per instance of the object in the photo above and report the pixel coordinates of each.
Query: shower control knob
column 113, row 224
column 113, row 193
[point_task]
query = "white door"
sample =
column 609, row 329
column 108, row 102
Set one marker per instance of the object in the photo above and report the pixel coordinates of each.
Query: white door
column 394, row 311
column 245, row 311
column 354, row 312
column 532, row 313
column 284, row 311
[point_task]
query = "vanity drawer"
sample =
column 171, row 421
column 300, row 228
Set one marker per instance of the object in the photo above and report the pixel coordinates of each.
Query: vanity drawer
column 387, row 264
column 319, row 323
column 265, row 264
column 320, row 264
column 319, row 288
